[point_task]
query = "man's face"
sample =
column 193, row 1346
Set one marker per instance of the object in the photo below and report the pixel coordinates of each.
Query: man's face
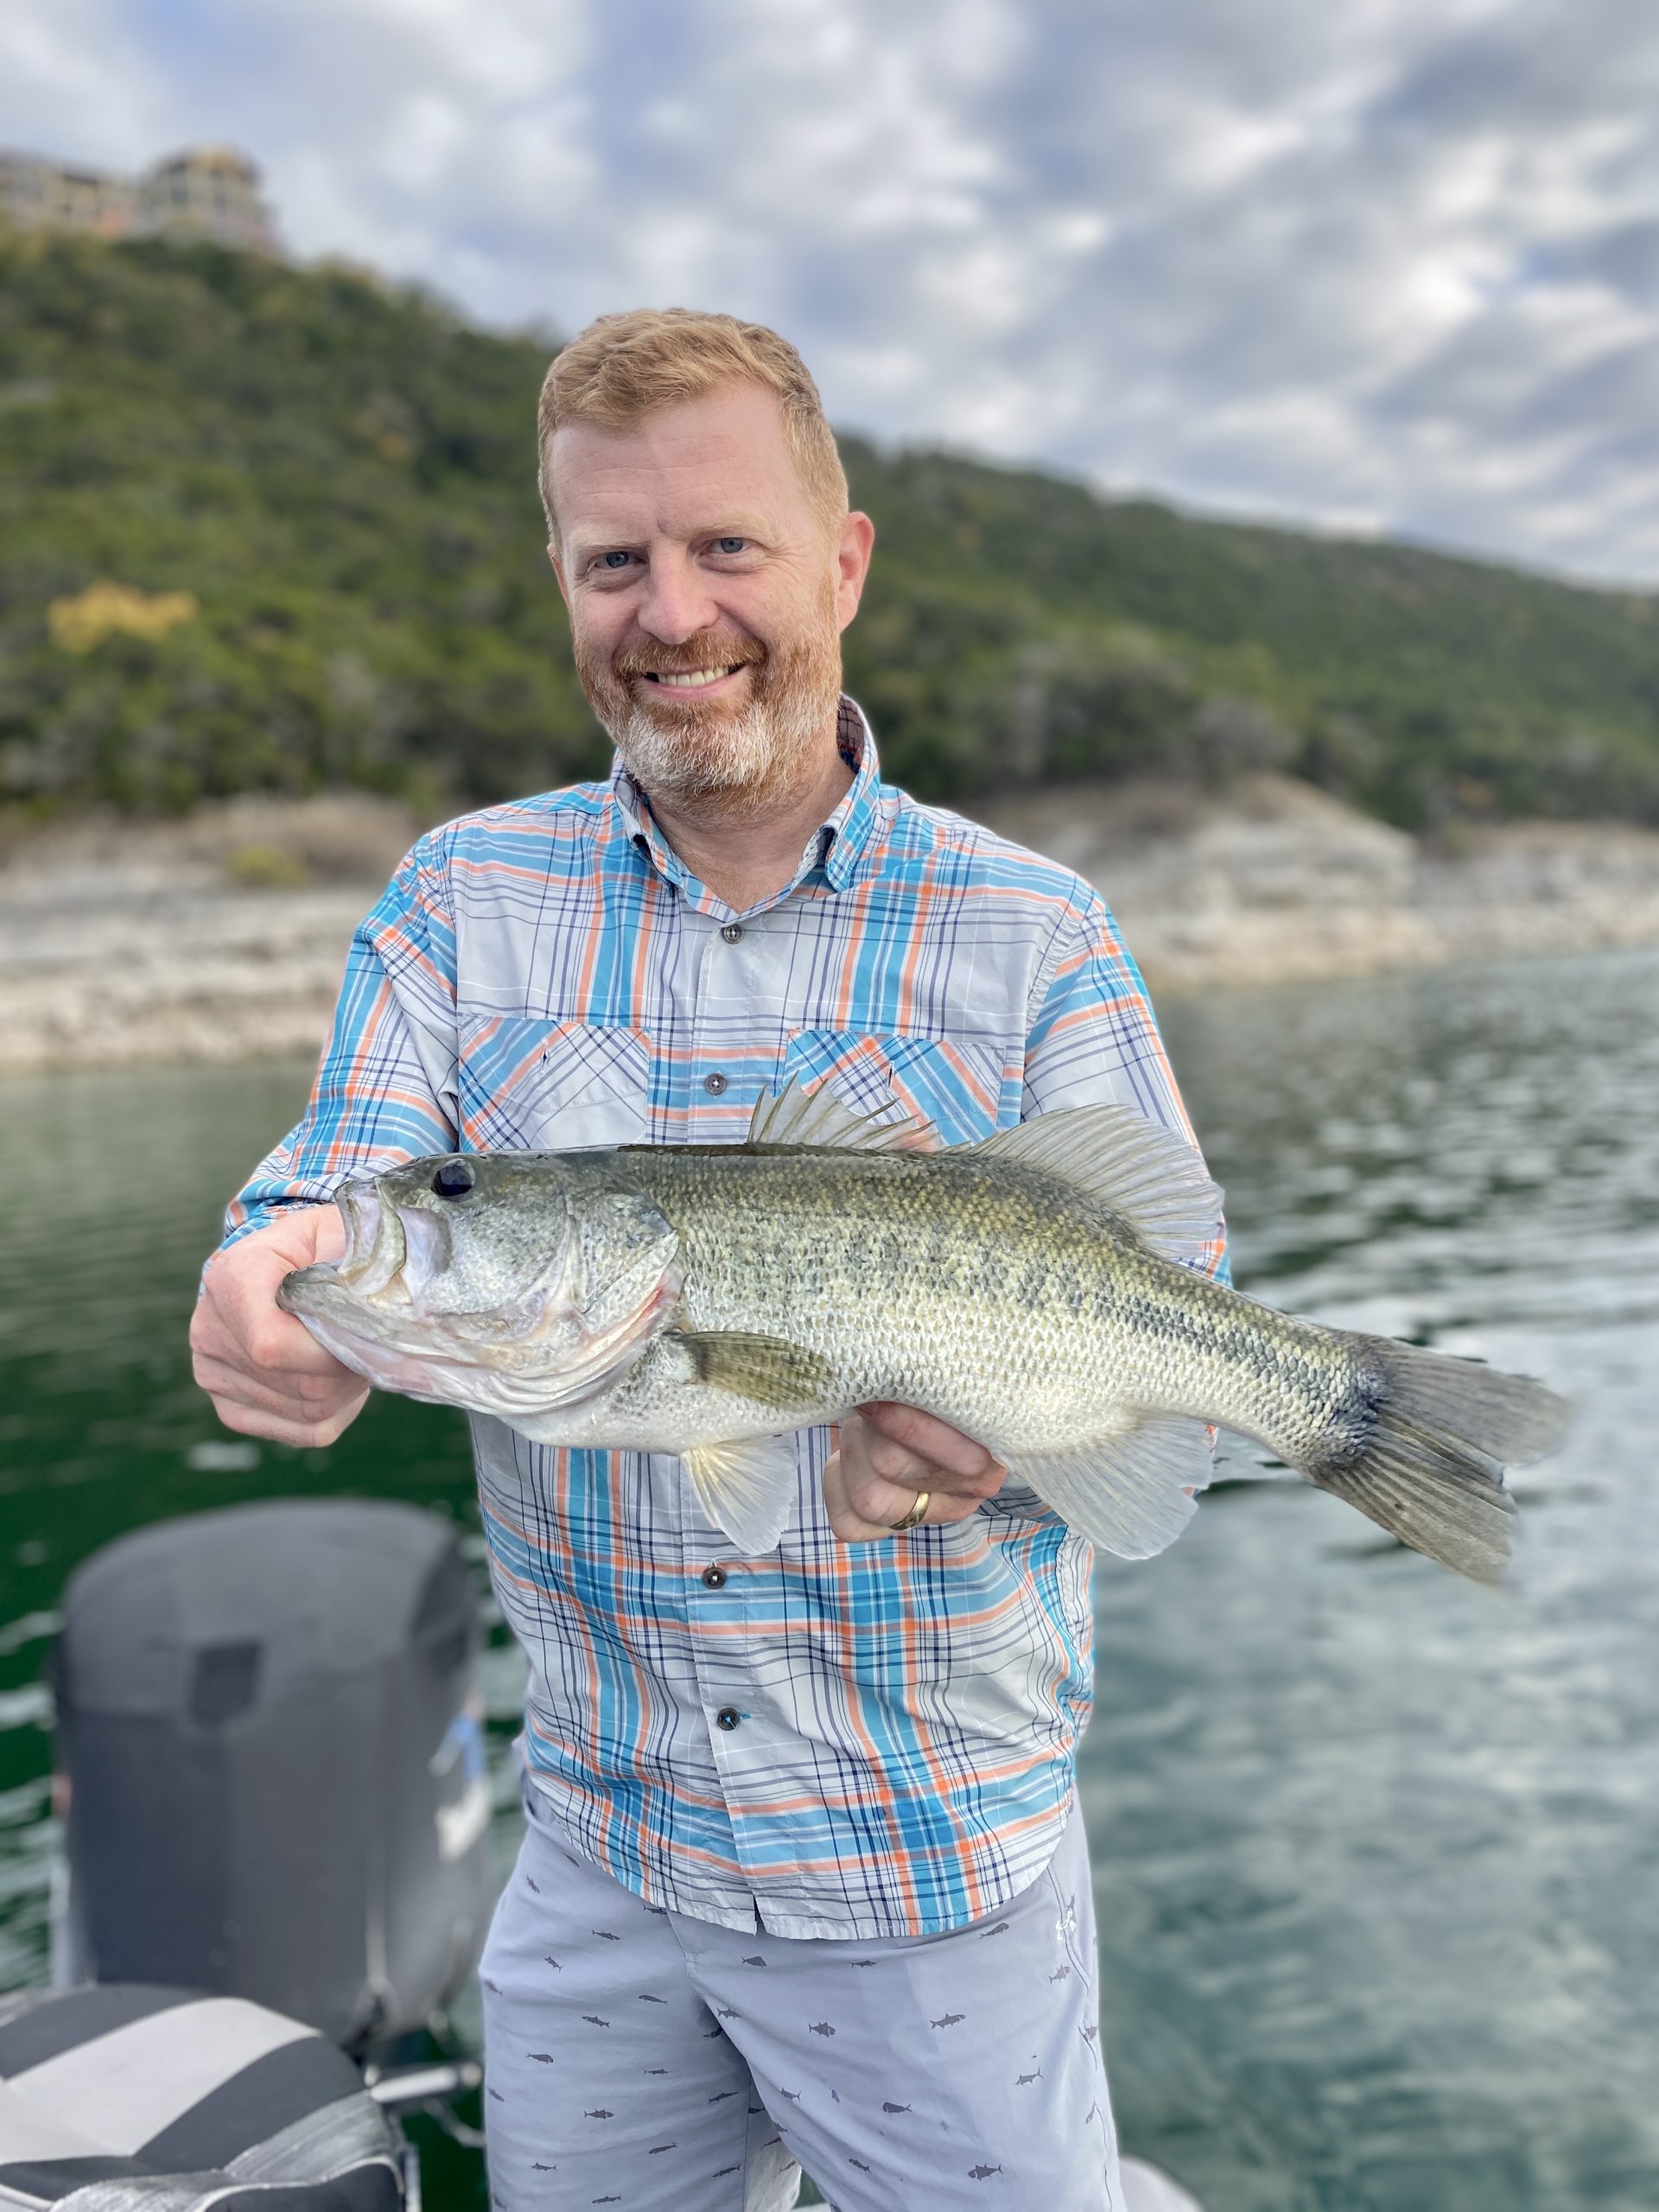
column 706, row 596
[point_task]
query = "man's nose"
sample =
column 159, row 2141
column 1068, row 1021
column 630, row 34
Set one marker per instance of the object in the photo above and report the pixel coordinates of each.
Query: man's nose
column 677, row 602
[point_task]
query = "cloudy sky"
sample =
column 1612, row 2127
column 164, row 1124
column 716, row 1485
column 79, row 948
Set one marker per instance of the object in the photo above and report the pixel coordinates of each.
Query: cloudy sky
column 1384, row 266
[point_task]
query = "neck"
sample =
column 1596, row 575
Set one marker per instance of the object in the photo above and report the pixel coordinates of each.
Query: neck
column 745, row 855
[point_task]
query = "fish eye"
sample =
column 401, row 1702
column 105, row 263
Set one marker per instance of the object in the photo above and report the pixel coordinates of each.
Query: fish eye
column 454, row 1179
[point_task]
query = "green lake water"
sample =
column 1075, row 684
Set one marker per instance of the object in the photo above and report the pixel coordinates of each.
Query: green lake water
column 1377, row 1861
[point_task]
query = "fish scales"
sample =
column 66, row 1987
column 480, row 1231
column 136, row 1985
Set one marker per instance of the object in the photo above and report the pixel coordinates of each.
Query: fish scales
column 1040, row 1290
column 1005, row 1302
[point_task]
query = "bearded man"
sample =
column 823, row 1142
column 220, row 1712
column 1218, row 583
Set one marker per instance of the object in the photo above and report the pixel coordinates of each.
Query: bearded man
column 803, row 1880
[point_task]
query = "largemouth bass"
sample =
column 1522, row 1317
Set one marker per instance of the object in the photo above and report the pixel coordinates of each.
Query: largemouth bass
column 1037, row 1290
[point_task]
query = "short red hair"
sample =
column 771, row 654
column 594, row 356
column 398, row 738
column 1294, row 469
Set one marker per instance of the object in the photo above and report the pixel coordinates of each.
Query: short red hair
column 623, row 367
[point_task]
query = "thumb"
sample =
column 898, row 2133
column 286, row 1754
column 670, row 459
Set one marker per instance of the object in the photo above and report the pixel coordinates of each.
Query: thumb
column 299, row 1236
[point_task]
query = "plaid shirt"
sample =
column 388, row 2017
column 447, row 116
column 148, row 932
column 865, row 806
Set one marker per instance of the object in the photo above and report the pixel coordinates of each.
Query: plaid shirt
column 854, row 1740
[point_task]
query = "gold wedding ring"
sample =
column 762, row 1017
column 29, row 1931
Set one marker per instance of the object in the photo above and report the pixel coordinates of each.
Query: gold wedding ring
column 915, row 1513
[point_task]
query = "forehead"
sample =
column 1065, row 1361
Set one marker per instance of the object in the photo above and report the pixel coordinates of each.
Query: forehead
column 715, row 459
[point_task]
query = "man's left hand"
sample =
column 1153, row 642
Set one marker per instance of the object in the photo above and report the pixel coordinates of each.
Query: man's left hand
column 890, row 1453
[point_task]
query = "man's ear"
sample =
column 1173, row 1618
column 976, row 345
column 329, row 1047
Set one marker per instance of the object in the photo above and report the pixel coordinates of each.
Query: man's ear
column 852, row 564
column 558, row 568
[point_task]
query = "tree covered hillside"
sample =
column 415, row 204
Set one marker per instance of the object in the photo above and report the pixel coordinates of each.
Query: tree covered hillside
column 270, row 528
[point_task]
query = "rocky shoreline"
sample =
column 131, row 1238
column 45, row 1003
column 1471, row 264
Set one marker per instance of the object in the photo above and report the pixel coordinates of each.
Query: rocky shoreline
column 1276, row 882
column 222, row 938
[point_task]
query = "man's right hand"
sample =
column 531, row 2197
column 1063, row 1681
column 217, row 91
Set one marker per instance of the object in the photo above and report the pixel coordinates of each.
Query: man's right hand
column 266, row 1372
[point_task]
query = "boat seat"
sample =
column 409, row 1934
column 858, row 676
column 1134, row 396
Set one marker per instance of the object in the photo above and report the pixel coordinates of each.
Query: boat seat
column 125, row 2098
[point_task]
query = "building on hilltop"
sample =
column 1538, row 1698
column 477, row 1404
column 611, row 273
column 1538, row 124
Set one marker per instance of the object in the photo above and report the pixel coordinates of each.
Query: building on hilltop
column 207, row 191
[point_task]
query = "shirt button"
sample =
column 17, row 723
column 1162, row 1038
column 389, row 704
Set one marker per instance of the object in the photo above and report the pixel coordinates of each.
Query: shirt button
column 714, row 1085
column 728, row 1718
column 733, row 932
column 713, row 1578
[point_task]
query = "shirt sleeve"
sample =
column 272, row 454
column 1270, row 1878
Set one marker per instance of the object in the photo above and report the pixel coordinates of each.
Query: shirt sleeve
column 1091, row 1037
column 385, row 1089
column 1092, row 1040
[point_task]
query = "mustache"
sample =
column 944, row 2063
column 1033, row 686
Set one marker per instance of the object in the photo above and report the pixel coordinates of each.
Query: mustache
column 708, row 649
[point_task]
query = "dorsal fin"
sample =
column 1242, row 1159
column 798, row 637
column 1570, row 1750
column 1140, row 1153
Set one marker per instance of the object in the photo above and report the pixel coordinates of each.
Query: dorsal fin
column 797, row 1115
column 1134, row 1167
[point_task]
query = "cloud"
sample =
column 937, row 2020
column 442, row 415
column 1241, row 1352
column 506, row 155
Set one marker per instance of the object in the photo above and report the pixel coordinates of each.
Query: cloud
column 1391, row 265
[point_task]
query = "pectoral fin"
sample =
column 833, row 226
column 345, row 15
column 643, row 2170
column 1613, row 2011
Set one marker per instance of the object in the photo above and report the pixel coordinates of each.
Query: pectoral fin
column 1131, row 1493
column 768, row 1370
column 747, row 1488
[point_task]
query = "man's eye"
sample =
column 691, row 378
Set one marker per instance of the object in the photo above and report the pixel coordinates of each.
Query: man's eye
column 614, row 560
column 730, row 545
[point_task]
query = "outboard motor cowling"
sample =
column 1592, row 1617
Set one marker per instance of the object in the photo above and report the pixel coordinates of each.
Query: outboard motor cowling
column 278, row 1782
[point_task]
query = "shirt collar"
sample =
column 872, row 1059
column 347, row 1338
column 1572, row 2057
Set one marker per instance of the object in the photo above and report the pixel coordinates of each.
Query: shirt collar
column 841, row 847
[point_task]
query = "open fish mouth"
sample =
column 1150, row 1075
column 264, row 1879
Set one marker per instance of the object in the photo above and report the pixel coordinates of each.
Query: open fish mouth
column 376, row 1244
column 402, row 1306
column 392, row 1252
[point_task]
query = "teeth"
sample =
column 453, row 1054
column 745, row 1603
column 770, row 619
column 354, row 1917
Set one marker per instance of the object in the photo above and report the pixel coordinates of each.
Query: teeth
column 694, row 679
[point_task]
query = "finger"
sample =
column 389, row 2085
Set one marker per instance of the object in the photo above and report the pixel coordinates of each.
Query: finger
column 871, row 1460
column 299, row 1403
column 933, row 1442
column 229, row 1385
column 868, row 1452
column 886, row 1504
column 327, row 1235
column 278, row 1344
column 251, row 1332
column 245, row 1421
column 849, row 1523
column 921, row 1474
column 295, row 1236
column 968, row 1490
column 299, row 1398
column 874, row 1472
column 863, row 1510
column 879, row 1479
column 876, row 1500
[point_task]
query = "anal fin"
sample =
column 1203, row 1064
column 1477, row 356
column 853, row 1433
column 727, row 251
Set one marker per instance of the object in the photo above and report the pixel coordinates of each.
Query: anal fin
column 747, row 1489
column 1131, row 1493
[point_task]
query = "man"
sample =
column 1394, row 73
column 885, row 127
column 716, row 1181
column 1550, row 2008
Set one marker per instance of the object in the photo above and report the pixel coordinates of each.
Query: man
column 803, row 1877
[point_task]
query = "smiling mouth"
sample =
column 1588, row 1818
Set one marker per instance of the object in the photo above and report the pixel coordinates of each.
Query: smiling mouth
column 690, row 679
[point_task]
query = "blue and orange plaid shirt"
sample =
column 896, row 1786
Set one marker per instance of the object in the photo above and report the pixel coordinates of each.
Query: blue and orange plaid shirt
column 854, row 1740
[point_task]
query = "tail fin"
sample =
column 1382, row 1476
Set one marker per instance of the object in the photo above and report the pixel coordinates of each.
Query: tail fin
column 1431, row 1470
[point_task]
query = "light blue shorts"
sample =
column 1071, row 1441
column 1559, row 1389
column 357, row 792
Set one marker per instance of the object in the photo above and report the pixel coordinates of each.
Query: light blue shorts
column 637, row 2058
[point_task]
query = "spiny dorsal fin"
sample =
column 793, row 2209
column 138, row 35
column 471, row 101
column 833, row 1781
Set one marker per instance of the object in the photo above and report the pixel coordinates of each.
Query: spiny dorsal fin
column 1136, row 1167
column 797, row 1115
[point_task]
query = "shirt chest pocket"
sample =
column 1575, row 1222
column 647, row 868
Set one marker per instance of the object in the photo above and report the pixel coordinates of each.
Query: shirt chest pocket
column 553, row 1086
column 965, row 1086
